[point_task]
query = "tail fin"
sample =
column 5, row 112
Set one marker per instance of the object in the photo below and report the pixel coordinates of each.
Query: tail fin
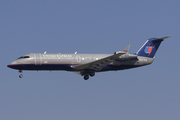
column 150, row 47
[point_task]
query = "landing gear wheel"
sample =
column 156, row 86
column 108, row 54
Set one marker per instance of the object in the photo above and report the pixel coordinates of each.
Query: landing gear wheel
column 92, row 73
column 86, row 77
column 20, row 76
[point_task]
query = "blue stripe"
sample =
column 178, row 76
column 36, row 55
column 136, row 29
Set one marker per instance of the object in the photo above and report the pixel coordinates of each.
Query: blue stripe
column 65, row 67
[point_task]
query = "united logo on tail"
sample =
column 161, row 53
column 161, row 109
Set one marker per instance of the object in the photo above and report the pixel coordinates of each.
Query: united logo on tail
column 148, row 49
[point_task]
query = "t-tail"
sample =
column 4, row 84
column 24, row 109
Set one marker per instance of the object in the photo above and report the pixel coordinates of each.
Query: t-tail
column 150, row 47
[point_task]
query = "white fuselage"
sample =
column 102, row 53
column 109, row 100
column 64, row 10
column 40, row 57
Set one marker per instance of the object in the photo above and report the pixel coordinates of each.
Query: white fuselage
column 38, row 61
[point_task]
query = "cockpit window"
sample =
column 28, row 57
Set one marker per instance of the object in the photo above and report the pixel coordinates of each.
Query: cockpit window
column 24, row 57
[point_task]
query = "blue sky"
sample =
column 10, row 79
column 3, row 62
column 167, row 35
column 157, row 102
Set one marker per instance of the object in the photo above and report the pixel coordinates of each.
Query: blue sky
column 91, row 26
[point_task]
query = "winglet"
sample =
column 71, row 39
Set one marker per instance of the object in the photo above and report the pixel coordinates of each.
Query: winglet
column 127, row 48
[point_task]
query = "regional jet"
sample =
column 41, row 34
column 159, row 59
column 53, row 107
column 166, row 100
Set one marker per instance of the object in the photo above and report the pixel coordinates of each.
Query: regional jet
column 88, row 64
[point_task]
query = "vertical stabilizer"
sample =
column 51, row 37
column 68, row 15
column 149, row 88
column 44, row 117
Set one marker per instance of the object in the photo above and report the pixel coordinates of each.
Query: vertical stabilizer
column 150, row 47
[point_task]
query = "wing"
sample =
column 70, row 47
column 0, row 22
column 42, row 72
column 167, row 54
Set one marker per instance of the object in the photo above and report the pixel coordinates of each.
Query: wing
column 98, row 64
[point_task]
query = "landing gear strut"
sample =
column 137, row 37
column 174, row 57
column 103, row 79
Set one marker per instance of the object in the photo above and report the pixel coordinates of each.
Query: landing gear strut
column 20, row 76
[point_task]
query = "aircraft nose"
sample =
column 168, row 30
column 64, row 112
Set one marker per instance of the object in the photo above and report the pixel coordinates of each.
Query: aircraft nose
column 9, row 65
column 12, row 64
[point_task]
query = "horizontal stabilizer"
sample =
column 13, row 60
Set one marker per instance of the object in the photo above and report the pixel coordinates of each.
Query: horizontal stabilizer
column 161, row 38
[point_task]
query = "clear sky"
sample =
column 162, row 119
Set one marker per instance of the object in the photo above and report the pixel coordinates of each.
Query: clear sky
column 89, row 26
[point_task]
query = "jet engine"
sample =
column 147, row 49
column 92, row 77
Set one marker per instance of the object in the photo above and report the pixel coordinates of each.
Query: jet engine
column 126, row 56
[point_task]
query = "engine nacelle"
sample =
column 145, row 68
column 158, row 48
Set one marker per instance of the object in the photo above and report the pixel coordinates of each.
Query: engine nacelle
column 117, row 52
column 127, row 56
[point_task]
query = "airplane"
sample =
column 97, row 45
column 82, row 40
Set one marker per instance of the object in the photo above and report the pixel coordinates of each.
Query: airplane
column 87, row 64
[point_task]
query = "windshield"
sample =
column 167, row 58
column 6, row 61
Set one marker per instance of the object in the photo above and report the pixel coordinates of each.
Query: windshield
column 22, row 57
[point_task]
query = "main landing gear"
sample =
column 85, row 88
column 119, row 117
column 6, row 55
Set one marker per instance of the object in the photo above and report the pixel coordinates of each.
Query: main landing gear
column 20, row 76
column 86, row 77
column 88, row 73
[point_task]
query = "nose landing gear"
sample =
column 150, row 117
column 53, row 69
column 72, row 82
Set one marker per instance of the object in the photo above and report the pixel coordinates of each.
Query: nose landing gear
column 20, row 76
